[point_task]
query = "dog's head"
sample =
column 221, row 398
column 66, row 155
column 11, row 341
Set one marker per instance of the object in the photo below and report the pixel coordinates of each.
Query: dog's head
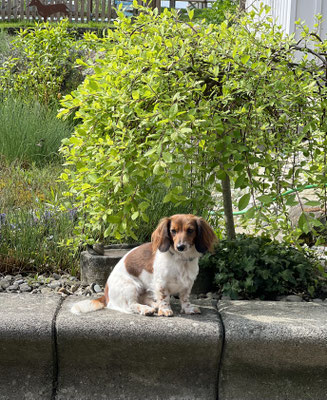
column 182, row 231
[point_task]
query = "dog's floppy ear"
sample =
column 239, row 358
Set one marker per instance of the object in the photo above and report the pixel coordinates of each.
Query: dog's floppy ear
column 205, row 238
column 161, row 237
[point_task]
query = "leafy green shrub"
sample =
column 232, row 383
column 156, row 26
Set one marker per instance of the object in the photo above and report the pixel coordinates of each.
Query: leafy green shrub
column 30, row 132
column 182, row 105
column 218, row 12
column 251, row 267
column 41, row 66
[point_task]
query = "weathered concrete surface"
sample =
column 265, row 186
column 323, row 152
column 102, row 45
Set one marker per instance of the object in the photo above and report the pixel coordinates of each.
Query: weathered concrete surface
column 110, row 355
column 26, row 346
column 96, row 268
column 273, row 351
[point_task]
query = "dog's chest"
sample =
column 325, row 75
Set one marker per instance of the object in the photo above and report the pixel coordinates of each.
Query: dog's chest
column 176, row 274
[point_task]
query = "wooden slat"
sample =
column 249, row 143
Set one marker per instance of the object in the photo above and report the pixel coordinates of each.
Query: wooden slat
column 21, row 9
column 15, row 5
column 103, row 10
column 3, row 9
column 70, row 6
column 109, row 10
column 88, row 10
column 96, row 13
column 82, row 10
column 9, row 10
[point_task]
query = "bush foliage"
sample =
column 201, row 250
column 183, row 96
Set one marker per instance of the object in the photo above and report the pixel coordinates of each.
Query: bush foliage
column 258, row 267
column 180, row 105
column 40, row 66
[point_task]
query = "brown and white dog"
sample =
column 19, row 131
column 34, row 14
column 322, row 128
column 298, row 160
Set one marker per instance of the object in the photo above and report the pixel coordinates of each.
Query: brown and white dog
column 146, row 276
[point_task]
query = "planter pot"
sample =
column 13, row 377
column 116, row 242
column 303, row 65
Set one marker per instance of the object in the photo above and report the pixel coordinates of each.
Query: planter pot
column 97, row 268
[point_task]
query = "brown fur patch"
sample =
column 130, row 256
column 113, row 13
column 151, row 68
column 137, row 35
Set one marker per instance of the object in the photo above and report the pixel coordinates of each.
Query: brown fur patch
column 140, row 259
column 183, row 229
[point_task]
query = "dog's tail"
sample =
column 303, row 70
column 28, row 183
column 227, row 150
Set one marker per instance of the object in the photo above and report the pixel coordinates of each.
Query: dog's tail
column 86, row 306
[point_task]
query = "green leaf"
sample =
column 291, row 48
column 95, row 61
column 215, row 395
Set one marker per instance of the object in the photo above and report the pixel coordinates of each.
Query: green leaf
column 245, row 59
column 312, row 203
column 303, row 223
column 244, row 201
column 167, row 157
column 265, row 199
column 135, row 215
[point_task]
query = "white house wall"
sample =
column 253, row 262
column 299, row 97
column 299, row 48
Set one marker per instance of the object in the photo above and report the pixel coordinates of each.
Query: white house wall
column 286, row 12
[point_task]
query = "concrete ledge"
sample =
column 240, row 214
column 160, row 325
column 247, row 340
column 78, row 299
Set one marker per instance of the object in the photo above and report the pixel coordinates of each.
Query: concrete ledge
column 273, row 351
column 26, row 346
column 259, row 350
column 110, row 355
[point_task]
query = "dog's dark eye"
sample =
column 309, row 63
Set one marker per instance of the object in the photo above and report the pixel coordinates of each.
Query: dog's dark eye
column 173, row 231
column 190, row 230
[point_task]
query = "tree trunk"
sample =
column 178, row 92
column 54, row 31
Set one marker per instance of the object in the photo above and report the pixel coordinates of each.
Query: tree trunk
column 242, row 5
column 228, row 208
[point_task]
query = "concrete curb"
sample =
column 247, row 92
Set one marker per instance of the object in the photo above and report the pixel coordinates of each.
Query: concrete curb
column 273, row 351
column 27, row 346
column 259, row 350
column 133, row 357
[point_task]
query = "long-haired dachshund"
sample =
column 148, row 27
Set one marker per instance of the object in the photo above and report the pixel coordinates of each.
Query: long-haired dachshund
column 146, row 276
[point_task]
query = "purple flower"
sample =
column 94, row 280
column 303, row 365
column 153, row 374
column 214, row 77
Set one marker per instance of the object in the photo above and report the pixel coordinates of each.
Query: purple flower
column 72, row 213
column 2, row 218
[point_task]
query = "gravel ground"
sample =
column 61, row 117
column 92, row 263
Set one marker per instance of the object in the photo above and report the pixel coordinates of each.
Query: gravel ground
column 66, row 285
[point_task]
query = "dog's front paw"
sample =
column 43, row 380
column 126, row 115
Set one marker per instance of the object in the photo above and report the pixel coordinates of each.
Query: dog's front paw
column 165, row 312
column 191, row 310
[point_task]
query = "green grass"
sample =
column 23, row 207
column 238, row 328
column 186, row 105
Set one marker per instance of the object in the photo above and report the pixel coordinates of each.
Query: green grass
column 30, row 133
column 31, row 223
column 4, row 26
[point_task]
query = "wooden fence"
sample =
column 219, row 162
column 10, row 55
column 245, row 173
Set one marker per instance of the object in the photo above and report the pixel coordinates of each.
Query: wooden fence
column 79, row 10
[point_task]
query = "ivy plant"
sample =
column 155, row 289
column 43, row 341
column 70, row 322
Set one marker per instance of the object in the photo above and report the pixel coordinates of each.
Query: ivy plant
column 251, row 267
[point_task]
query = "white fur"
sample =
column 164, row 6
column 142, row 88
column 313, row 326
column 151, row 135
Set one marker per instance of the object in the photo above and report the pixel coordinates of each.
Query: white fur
column 173, row 271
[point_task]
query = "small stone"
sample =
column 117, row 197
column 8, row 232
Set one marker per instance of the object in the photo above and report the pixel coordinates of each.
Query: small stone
column 317, row 300
column 12, row 287
column 19, row 281
column 96, row 289
column 88, row 291
column 35, row 291
column 75, row 287
column 73, row 278
column 293, row 298
column 25, row 288
column 8, row 277
column 280, row 298
column 18, row 276
column 4, row 284
column 209, row 295
column 64, row 291
column 56, row 276
column 46, row 290
column 54, row 284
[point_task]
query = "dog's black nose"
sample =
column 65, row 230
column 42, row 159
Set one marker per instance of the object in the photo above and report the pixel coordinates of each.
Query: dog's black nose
column 180, row 247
